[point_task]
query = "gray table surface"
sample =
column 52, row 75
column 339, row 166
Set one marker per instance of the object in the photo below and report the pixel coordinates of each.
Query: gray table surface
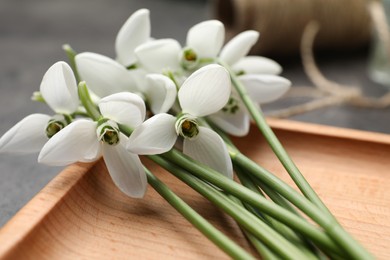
column 33, row 31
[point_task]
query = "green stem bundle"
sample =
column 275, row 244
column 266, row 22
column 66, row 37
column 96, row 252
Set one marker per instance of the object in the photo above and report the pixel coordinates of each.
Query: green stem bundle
column 326, row 219
column 216, row 236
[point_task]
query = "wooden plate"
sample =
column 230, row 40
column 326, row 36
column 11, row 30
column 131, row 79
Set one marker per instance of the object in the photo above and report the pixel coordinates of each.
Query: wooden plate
column 81, row 214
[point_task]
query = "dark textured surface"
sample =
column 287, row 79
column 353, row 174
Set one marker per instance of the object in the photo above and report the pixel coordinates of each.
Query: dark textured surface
column 33, row 31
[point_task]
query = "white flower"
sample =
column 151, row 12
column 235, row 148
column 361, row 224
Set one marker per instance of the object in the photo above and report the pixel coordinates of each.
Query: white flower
column 203, row 44
column 234, row 118
column 105, row 76
column 85, row 141
column 235, row 52
column 206, row 38
column 134, row 32
column 238, row 47
column 59, row 89
column 257, row 74
column 205, row 92
column 204, row 41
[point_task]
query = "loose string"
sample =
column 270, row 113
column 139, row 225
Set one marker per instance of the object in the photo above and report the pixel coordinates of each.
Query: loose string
column 329, row 92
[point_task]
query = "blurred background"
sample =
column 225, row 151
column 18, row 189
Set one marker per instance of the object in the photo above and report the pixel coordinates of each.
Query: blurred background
column 33, row 31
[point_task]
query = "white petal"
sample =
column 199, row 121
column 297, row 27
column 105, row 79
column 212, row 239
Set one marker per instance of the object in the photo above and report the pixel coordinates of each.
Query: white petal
column 265, row 88
column 27, row 136
column 76, row 142
column 206, row 91
column 124, row 108
column 59, row 88
column 209, row 149
column 161, row 93
column 206, row 38
column 238, row 47
column 257, row 65
column 135, row 31
column 156, row 135
column 103, row 75
column 159, row 55
column 125, row 168
column 139, row 76
column 236, row 124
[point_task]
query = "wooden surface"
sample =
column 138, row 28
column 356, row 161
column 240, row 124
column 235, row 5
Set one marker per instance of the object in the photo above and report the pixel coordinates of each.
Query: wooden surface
column 82, row 214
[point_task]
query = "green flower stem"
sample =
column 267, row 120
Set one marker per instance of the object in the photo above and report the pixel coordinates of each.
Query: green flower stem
column 261, row 248
column 264, row 251
column 278, row 199
column 252, row 198
column 281, row 228
column 242, row 216
column 87, row 102
column 273, row 141
column 328, row 223
column 71, row 54
column 216, row 236
column 287, row 232
column 275, row 183
column 253, row 183
column 275, row 197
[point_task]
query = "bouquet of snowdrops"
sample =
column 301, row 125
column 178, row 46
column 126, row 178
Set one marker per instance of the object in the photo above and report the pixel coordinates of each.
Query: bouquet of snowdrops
column 179, row 106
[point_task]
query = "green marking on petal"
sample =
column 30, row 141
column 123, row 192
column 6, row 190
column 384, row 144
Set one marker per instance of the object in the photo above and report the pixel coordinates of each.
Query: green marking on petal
column 232, row 106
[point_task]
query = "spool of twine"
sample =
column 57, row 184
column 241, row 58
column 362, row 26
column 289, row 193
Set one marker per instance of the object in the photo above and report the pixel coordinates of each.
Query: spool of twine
column 345, row 24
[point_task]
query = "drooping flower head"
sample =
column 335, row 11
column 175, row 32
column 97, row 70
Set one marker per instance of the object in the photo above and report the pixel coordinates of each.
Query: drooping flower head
column 59, row 90
column 86, row 140
column 106, row 77
column 257, row 74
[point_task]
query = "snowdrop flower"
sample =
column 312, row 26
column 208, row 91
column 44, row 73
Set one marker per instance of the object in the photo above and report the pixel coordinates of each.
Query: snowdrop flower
column 106, row 76
column 234, row 118
column 204, row 41
column 235, row 52
column 257, row 74
column 59, row 90
column 134, row 32
column 85, row 141
column 205, row 92
column 203, row 46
